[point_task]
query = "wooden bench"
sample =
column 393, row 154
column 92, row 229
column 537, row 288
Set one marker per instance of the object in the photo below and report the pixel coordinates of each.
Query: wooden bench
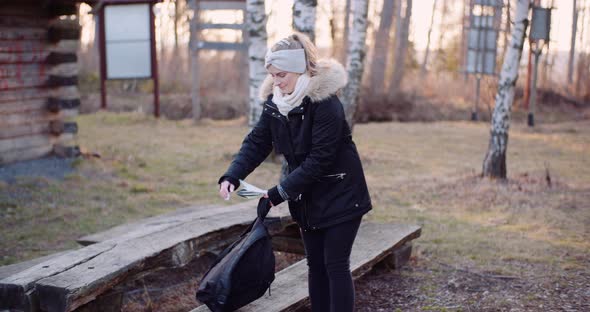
column 96, row 273
column 70, row 280
column 374, row 243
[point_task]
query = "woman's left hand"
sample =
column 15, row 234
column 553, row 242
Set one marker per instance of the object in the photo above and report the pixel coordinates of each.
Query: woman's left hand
column 266, row 196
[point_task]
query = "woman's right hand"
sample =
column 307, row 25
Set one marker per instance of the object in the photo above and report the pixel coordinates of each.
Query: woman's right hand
column 225, row 188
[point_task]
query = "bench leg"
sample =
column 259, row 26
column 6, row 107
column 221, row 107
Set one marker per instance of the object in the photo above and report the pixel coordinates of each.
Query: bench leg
column 398, row 257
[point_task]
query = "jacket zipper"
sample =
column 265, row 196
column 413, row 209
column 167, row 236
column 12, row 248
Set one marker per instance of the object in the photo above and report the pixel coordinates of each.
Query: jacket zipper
column 292, row 153
column 336, row 175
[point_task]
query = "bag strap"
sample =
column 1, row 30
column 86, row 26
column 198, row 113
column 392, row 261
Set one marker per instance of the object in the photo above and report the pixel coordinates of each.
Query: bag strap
column 263, row 208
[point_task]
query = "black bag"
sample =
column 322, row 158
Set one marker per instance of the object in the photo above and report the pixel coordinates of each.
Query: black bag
column 243, row 271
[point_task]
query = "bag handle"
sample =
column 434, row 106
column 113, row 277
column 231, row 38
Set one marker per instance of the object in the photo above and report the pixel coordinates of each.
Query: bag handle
column 263, row 207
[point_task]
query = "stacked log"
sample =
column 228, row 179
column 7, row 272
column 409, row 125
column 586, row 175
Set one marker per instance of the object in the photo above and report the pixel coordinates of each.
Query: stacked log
column 38, row 78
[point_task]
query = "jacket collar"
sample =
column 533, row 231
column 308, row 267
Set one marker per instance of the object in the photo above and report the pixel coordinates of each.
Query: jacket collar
column 331, row 77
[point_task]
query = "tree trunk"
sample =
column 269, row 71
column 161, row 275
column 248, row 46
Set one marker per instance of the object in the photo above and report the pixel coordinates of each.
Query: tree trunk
column 355, row 58
column 581, row 68
column 425, row 61
column 256, row 28
column 176, row 17
column 194, row 60
column 443, row 21
column 401, row 49
column 570, row 67
column 304, row 15
column 394, row 33
column 346, row 32
column 378, row 61
column 340, row 29
column 494, row 164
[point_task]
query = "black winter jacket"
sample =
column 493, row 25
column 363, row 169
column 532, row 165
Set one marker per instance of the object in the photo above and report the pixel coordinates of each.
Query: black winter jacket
column 326, row 184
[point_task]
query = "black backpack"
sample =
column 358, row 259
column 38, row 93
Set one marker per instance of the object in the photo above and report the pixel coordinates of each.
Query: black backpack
column 243, row 271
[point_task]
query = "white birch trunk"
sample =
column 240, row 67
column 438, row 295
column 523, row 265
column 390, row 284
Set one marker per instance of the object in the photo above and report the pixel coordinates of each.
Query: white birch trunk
column 304, row 15
column 257, row 45
column 355, row 58
column 194, row 60
column 494, row 164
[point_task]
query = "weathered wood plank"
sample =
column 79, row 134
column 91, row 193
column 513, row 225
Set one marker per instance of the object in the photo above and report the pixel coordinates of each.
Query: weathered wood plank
column 22, row 118
column 173, row 246
column 26, row 82
column 33, row 70
column 25, row 57
column 14, row 46
column 22, row 21
column 27, row 142
column 67, row 92
column 44, row 56
column 11, row 269
column 24, row 106
column 63, row 32
column 18, row 33
column 33, row 117
column 24, row 130
column 373, row 243
column 55, row 58
column 18, row 291
column 58, row 127
column 49, row 81
column 55, row 104
column 21, row 46
column 161, row 222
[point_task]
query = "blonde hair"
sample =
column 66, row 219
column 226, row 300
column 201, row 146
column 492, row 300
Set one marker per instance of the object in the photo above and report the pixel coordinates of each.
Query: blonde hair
column 300, row 41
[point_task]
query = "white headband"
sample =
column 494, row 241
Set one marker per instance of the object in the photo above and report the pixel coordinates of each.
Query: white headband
column 287, row 60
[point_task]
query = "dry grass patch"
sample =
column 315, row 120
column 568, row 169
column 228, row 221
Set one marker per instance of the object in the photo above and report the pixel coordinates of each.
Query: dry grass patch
column 417, row 173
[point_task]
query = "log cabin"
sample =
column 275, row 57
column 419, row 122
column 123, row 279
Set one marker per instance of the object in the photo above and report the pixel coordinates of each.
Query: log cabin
column 39, row 92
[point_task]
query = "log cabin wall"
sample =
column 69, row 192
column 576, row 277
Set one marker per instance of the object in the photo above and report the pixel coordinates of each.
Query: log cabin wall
column 38, row 78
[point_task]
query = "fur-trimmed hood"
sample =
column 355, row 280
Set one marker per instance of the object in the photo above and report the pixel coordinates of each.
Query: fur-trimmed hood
column 331, row 77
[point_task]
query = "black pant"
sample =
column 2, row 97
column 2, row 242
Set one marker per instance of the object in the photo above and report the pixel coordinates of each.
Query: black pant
column 328, row 258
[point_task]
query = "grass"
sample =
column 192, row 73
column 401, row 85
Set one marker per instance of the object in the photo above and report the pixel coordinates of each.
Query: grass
column 422, row 173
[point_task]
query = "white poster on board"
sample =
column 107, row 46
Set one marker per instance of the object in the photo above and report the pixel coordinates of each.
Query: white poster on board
column 127, row 33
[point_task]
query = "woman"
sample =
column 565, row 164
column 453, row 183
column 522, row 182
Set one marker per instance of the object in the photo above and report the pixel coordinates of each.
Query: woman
column 326, row 189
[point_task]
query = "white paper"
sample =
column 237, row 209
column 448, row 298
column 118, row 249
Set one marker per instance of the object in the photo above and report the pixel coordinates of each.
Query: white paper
column 250, row 191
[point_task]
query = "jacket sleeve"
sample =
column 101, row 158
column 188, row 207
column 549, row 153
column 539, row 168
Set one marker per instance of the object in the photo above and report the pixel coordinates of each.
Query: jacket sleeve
column 255, row 148
column 327, row 135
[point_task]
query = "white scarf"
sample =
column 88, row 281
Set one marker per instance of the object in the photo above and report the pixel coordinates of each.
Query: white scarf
column 286, row 102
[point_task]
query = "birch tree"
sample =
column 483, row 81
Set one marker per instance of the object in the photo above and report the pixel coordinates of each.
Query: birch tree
column 304, row 15
column 257, row 39
column 355, row 58
column 570, row 67
column 494, row 164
